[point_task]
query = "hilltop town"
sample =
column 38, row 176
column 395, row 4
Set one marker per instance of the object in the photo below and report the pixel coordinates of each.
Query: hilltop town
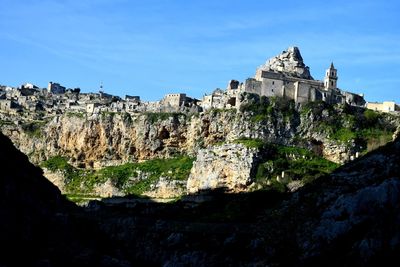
column 284, row 75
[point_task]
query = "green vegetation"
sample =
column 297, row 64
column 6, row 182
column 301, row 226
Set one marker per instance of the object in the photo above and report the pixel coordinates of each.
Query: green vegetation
column 344, row 123
column 215, row 111
column 268, row 108
column 343, row 134
column 127, row 117
column 2, row 122
column 160, row 116
column 57, row 163
column 297, row 163
column 33, row 128
column 81, row 198
column 108, row 114
column 249, row 142
column 80, row 115
column 81, row 182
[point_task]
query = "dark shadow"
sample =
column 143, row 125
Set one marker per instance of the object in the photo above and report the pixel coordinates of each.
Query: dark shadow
column 211, row 228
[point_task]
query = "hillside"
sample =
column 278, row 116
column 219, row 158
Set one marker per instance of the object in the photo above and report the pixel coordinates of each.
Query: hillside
column 105, row 154
column 39, row 227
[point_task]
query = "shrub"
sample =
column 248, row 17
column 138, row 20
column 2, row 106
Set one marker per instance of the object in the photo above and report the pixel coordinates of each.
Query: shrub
column 249, row 142
column 82, row 181
column 34, row 128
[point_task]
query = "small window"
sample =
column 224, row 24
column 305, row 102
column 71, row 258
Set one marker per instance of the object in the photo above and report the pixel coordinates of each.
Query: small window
column 273, row 82
column 332, row 83
column 272, row 90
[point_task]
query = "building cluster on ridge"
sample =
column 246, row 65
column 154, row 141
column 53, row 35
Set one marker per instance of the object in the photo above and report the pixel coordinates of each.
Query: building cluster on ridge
column 284, row 75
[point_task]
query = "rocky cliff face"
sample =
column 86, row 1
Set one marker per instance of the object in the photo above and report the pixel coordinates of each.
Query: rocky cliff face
column 228, row 166
column 335, row 132
column 112, row 139
column 289, row 62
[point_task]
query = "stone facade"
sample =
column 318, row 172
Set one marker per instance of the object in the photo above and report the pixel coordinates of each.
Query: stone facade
column 7, row 105
column 55, row 88
column 174, row 100
column 386, row 106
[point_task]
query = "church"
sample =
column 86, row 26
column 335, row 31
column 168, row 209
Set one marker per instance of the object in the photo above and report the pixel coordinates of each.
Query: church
column 286, row 75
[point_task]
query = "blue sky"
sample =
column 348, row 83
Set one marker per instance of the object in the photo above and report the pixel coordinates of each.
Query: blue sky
column 150, row 48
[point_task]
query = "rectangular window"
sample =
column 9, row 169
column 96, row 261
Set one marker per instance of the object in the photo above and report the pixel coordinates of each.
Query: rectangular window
column 273, row 82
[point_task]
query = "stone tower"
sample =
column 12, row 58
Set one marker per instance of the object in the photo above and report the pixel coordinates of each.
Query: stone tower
column 330, row 81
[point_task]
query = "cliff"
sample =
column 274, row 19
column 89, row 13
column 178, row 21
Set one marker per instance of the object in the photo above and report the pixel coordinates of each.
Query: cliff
column 337, row 133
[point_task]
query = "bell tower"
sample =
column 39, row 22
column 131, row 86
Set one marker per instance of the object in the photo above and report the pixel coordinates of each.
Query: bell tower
column 330, row 80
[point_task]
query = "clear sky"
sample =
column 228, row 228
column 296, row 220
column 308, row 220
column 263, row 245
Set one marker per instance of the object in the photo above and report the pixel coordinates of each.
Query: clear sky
column 153, row 47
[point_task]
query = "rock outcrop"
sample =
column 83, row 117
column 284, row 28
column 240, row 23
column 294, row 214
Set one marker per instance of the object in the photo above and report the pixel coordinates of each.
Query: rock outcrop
column 227, row 166
column 289, row 62
column 38, row 226
column 166, row 188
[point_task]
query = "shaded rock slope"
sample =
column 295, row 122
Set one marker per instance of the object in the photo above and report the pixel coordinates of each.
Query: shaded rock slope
column 349, row 218
column 38, row 226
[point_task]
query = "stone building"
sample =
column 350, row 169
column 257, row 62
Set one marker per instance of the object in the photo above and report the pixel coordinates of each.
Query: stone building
column 174, row 100
column 286, row 75
column 8, row 105
column 92, row 107
column 55, row 88
column 386, row 106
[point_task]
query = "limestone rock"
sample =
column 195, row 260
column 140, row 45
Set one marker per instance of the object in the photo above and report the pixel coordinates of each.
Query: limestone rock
column 289, row 62
column 166, row 188
column 227, row 166
column 57, row 178
column 107, row 189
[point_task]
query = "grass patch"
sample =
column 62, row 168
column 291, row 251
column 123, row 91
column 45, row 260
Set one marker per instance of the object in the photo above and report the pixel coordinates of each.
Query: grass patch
column 57, row 163
column 249, row 142
column 344, row 135
column 80, row 115
column 297, row 163
column 82, row 182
